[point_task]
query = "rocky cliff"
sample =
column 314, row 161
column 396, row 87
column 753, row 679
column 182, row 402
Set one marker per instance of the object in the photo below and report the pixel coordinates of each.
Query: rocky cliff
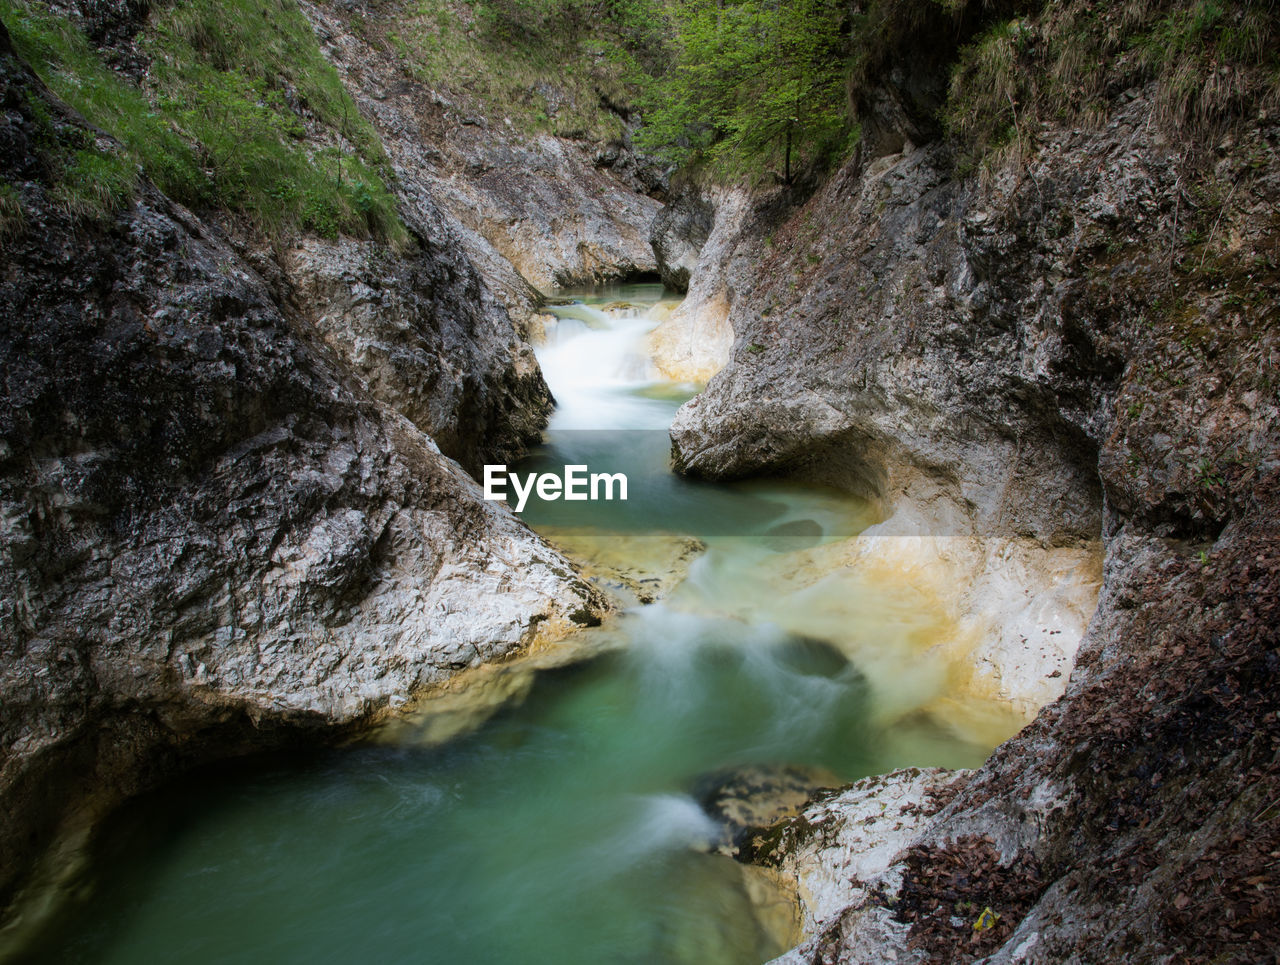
column 1076, row 347
column 220, row 535
column 533, row 210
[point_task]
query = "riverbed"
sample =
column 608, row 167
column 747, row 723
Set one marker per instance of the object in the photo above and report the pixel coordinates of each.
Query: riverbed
column 564, row 823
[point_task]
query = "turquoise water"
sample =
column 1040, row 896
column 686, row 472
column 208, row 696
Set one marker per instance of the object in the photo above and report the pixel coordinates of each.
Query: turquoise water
column 564, row 828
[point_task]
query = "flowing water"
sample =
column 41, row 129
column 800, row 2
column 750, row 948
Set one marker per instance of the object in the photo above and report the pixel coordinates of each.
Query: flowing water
column 564, row 828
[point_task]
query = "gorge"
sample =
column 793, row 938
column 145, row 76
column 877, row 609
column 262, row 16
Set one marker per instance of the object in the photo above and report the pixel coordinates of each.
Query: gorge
column 938, row 623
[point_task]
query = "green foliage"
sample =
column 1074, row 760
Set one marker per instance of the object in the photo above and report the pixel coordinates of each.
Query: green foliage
column 245, row 82
column 92, row 181
column 725, row 84
column 558, row 66
column 238, row 95
column 97, row 182
column 753, row 83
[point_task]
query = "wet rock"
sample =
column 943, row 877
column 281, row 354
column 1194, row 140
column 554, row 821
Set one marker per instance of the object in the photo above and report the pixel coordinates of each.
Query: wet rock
column 744, row 799
column 837, row 845
column 461, row 703
column 222, row 540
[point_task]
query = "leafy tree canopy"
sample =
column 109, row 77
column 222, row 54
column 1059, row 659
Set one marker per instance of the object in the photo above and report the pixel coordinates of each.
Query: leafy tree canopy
column 751, row 82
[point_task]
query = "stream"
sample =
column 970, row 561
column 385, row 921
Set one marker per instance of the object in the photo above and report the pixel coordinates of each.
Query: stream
column 561, row 823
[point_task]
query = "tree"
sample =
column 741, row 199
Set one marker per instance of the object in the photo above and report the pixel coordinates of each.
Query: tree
column 754, row 82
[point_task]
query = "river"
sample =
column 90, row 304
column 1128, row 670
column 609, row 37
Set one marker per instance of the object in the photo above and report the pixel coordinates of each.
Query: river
column 562, row 826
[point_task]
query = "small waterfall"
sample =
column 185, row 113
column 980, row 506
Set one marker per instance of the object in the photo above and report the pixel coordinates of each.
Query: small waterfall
column 595, row 360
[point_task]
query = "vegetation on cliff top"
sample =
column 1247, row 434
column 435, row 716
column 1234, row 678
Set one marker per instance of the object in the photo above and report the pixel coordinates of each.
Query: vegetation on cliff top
column 752, row 86
column 238, row 110
column 1211, row 64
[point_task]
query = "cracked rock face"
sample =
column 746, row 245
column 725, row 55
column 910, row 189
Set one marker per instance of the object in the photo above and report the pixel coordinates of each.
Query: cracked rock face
column 532, row 212
column 426, row 337
column 1025, row 367
column 215, row 539
column 697, row 340
column 678, row 234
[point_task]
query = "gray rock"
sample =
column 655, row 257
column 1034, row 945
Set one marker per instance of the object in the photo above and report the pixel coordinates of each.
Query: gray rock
column 217, row 538
column 1036, row 357
column 532, row 212
column 677, row 235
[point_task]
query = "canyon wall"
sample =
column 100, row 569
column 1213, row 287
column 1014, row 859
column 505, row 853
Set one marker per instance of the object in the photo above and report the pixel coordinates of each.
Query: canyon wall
column 1060, row 359
column 230, row 517
column 533, row 210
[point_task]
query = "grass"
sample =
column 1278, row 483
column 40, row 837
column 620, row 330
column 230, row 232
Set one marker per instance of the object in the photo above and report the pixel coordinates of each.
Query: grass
column 240, row 112
column 530, row 63
column 93, row 180
column 13, row 219
column 1211, row 63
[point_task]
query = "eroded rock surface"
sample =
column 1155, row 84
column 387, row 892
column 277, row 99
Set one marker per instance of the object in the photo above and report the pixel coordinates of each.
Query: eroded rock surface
column 1028, row 365
column 215, row 539
column 744, row 799
column 841, row 842
column 531, row 211
column 425, row 335
column 678, row 234
column 695, row 342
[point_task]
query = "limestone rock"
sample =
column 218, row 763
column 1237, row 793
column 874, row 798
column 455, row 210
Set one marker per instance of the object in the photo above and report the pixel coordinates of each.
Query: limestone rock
column 1011, row 368
column 746, row 799
column 217, row 539
column 695, row 342
column 677, row 235
column 840, row 843
column 532, row 212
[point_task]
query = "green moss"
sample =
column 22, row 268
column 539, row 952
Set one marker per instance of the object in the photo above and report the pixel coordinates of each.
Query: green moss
column 236, row 99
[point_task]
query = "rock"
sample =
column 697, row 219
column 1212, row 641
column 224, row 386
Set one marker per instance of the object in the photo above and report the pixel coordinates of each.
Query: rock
column 426, row 336
column 836, row 847
column 1011, row 369
column 745, row 800
column 638, row 569
column 532, row 212
column 1015, row 610
column 694, row 343
column 677, row 235
column 223, row 541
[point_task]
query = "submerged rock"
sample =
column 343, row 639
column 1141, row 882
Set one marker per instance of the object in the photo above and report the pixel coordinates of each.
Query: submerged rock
column 745, row 799
column 639, row 568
